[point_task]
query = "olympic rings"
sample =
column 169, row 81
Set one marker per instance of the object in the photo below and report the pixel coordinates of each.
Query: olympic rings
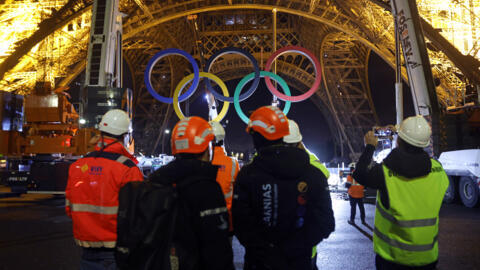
column 249, row 77
column 188, row 79
column 237, row 98
column 307, row 54
column 242, row 52
column 155, row 59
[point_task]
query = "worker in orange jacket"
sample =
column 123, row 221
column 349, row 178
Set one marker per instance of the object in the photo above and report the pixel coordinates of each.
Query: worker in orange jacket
column 228, row 167
column 92, row 191
column 355, row 194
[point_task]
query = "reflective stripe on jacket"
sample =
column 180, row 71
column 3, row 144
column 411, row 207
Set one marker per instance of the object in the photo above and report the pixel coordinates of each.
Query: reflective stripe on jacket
column 92, row 194
column 355, row 190
column 227, row 173
column 406, row 233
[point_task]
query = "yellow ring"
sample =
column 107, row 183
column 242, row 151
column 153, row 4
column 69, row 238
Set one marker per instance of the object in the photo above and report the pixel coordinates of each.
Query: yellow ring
column 187, row 79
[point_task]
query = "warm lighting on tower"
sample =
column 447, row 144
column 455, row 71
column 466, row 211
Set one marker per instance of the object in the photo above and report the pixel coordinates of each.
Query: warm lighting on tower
column 457, row 21
column 18, row 21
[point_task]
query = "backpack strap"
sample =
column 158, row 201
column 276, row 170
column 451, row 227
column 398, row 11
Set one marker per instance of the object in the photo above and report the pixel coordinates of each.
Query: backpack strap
column 171, row 232
column 112, row 156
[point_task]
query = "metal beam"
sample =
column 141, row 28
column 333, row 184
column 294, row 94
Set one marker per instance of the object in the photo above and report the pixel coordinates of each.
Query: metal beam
column 355, row 34
column 71, row 10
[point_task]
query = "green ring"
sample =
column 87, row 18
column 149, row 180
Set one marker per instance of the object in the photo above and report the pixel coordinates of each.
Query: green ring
column 248, row 78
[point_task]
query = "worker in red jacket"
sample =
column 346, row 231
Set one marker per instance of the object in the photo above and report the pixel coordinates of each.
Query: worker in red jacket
column 228, row 168
column 92, row 191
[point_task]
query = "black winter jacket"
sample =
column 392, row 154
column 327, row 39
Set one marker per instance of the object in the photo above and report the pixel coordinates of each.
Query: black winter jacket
column 410, row 165
column 201, row 233
column 281, row 201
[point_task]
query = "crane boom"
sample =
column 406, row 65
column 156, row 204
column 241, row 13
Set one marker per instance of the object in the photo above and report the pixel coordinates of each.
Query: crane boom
column 104, row 48
column 103, row 80
column 417, row 63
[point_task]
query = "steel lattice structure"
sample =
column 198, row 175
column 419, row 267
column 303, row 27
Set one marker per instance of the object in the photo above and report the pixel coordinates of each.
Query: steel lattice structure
column 51, row 45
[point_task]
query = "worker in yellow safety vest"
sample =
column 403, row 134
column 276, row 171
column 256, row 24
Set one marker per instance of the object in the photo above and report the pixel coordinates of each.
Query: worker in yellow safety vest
column 411, row 187
column 295, row 139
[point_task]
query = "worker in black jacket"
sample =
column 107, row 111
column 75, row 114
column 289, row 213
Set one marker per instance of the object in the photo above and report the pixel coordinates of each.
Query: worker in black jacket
column 201, row 237
column 281, row 206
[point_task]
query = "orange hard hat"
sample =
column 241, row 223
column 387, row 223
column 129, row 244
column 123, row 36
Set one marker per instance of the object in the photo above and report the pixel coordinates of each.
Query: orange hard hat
column 191, row 135
column 270, row 122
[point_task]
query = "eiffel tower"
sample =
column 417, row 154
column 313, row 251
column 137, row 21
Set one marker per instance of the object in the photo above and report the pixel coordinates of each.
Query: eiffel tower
column 48, row 39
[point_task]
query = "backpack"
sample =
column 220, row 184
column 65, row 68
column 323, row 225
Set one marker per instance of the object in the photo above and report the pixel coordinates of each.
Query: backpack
column 145, row 225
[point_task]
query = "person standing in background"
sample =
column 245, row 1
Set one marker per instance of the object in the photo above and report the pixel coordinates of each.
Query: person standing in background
column 228, row 168
column 355, row 195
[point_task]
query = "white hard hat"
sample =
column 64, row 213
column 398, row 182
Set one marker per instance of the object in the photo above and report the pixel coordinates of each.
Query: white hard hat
column 295, row 136
column 115, row 122
column 218, row 131
column 416, row 131
column 351, row 165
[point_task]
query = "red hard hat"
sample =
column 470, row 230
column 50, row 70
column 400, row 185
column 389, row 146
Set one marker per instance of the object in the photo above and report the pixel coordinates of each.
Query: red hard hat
column 191, row 135
column 269, row 121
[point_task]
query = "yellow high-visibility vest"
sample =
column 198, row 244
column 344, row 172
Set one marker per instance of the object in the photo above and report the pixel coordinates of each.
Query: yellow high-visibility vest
column 407, row 232
column 319, row 165
column 316, row 162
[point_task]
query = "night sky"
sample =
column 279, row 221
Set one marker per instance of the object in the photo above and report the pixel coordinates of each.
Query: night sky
column 382, row 85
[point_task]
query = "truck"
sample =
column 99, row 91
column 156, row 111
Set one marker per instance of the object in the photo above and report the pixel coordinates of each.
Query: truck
column 40, row 137
column 463, row 170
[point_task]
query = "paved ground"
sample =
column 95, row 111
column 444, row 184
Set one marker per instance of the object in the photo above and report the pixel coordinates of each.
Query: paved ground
column 35, row 234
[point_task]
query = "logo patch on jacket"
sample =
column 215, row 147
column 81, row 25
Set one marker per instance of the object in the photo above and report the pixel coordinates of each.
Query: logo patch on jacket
column 302, row 199
column 96, row 170
column 302, row 187
column 84, row 168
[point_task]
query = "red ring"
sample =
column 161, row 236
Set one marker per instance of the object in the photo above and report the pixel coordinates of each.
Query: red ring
column 316, row 66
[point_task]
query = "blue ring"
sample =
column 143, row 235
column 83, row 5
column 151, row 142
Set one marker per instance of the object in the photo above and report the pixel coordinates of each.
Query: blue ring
column 250, row 57
column 154, row 60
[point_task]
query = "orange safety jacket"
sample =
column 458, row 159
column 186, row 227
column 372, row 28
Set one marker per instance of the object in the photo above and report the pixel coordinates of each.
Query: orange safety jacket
column 92, row 193
column 227, row 173
column 355, row 190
